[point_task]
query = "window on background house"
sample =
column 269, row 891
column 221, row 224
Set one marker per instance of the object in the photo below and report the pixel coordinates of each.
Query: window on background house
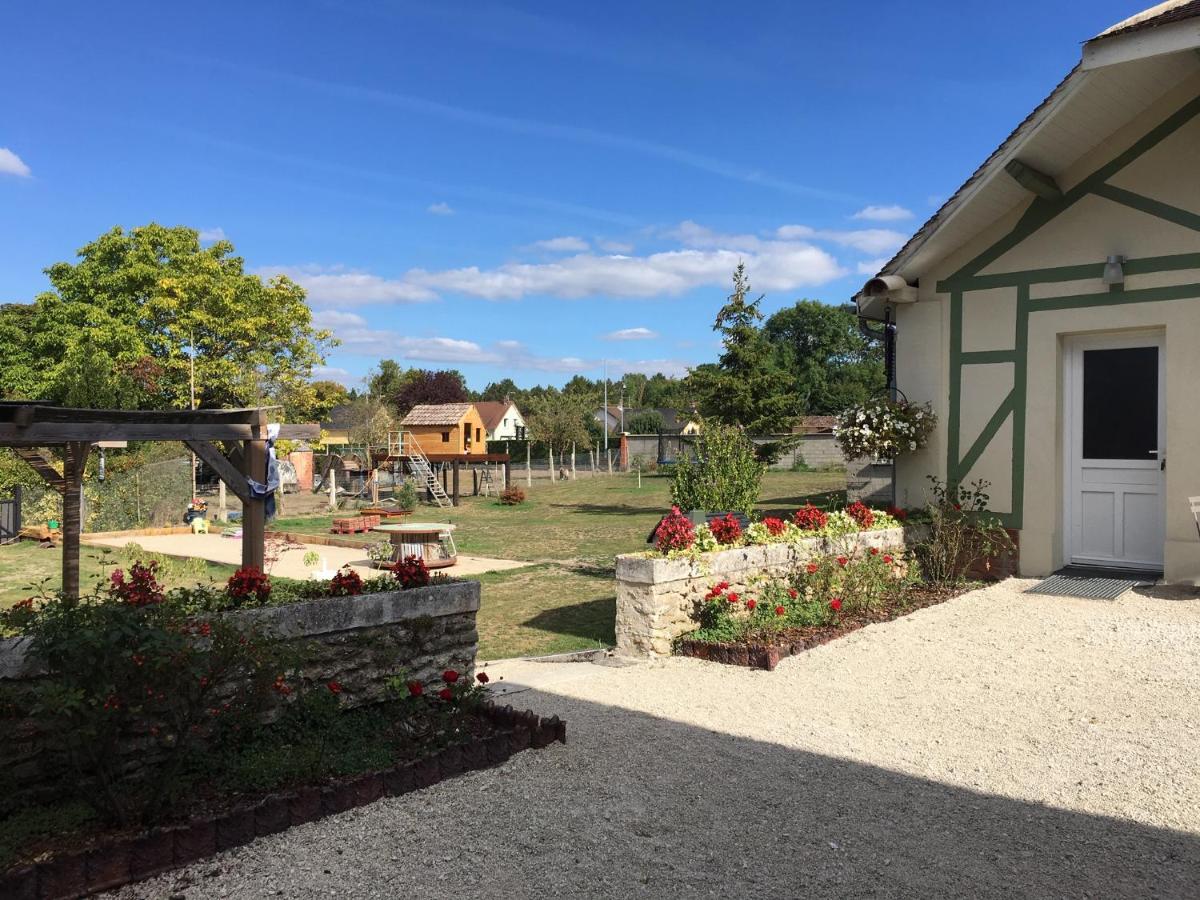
column 477, row 435
column 445, row 437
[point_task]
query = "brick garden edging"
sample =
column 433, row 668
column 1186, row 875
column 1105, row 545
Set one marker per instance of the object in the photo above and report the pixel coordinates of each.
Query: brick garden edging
column 114, row 862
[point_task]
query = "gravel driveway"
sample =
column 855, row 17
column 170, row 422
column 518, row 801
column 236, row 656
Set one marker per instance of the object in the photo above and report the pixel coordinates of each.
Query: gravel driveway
column 997, row 745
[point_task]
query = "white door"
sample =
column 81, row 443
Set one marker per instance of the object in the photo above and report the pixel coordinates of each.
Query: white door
column 1114, row 391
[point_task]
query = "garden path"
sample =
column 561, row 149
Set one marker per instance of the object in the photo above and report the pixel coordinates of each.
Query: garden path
column 998, row 745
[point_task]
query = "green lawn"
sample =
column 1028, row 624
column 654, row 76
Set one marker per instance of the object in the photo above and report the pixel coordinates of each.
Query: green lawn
column 26, row 568
column 572, row 531
column 569, row 532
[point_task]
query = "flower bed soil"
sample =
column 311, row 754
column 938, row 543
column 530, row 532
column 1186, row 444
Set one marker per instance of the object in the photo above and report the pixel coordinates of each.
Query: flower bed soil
column 110, row 859
column 757, row 654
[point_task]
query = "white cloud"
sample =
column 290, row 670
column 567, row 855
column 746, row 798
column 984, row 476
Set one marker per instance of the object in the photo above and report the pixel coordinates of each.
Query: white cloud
column 872, row 266
column 333, row 373
column 11, row 164
column 360, row 339
column 335, row 286
column 614, row 246
column 208, row 235
column 631, row 334
column 440, row 209
column 893, row 213
column 705, row 258
column 566, row 244
column 866, row 240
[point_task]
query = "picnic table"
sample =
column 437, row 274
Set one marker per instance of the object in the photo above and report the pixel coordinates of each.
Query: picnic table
column 431, row 541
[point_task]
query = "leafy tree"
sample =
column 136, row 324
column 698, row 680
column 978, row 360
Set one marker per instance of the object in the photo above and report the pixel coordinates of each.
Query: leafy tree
column 388, row 378
column 504, row 389
column 312, row 401
column 370, row 420
column 425, row 386
column 746, row 387
column 137, row 305
column 647, row 422
column 559, row 419
column 829, row 363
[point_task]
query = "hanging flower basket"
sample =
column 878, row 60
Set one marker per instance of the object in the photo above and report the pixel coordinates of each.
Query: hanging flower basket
column 883, row 429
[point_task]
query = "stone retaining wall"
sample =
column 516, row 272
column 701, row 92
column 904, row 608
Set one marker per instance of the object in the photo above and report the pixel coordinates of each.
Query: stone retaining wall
column 657, row 596
column 358, row 641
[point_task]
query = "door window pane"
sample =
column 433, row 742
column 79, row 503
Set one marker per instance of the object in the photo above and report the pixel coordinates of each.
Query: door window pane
column 1120, row 403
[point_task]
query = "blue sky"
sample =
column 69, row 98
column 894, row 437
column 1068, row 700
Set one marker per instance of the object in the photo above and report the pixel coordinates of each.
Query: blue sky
column 516, row 189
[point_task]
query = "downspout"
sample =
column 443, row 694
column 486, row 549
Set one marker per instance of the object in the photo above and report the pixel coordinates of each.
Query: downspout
column 887, row 334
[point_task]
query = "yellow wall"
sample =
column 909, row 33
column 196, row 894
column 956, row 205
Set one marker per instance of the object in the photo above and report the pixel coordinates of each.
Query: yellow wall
column 1084, row 234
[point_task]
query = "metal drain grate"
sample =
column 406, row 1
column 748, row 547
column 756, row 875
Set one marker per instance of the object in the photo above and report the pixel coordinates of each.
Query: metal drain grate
column 1091, row 586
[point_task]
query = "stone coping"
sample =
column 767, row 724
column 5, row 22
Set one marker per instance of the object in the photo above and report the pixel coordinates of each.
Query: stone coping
column 639, row 569
column 307, row 618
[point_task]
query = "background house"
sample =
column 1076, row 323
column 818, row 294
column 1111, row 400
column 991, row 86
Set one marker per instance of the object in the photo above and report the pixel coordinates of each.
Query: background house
column 502, row 421
column 335, row 430
column 1050, row 313
column 446, row 428
column 673, row 422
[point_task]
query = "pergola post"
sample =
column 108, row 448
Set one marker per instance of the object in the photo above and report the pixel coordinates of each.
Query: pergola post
column 72, row 523
column 254, row 513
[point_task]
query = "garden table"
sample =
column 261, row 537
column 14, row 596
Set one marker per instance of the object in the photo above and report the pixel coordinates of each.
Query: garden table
column 431, row 541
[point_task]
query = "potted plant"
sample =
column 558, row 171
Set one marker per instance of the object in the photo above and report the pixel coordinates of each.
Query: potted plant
column 881, row 429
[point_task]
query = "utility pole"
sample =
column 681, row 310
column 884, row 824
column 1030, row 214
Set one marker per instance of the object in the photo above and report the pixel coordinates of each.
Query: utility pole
column 192, row 398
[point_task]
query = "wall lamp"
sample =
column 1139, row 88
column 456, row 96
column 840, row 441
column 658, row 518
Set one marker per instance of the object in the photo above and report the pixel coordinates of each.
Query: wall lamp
column 1114, row 270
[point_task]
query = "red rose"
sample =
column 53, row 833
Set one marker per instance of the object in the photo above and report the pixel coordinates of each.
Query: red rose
column 811, row 568
column 793, row 593
column 835, row 604
column 733, row 598
column 779, row 610
column 446, row 694
column 415, row 689
column 874, row 551
column 842, row 561
column 482, row 677
column 888, row 560
column 751, row 603
column 334, row 687
column 449, row 676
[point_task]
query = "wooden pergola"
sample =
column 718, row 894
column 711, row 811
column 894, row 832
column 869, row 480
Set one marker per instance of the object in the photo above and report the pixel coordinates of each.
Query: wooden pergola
column 29, row 427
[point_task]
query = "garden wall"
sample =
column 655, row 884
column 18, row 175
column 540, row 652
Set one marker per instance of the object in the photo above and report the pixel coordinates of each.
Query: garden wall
column 656, row 596
column 358, row 641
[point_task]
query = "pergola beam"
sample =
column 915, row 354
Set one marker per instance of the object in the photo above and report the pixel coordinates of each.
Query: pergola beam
column 225, row 469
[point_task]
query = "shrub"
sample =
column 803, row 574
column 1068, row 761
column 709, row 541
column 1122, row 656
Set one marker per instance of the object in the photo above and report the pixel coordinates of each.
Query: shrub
column 512, row 496
column 381, row 552
column 723, row 474
column 142, row 587
column 122, row 674
column 726, row 529
column 861, row 513
column 411, row 572
column 345, row 583
column 675, row 532
column 248, row 584
column 962, row 532
column 809, row 518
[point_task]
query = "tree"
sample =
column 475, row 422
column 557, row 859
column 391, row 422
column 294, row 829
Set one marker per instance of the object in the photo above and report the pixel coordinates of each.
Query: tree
column 559, row 419
column 312, row 402
column 369, row 420
column 445, row 386
column 505, row 389
column 649, row 421
column 388, row 378
column 746, row 387
column 136, row 307
column 830, row 364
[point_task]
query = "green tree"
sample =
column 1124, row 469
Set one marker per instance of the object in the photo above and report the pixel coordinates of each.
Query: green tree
column 745, row 387
column 830, row 365
column 138, row 305
column 503, row 389
column 559, row 419
column 649, row 421
column 312, row 401
column 388, row 378
column 722, row 474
